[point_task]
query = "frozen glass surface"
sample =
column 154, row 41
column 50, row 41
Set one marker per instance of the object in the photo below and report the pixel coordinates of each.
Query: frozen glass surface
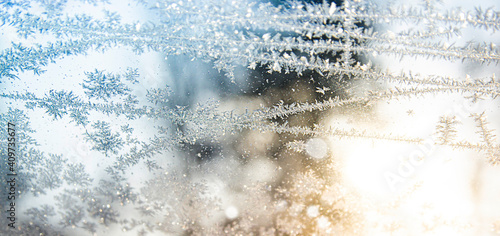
column 246, row 117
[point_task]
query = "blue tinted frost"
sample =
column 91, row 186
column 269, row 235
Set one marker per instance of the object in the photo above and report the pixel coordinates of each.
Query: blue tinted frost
column 150, row 163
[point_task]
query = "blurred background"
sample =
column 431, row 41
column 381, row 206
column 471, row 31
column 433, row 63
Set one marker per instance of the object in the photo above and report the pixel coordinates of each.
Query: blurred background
column 265, row 183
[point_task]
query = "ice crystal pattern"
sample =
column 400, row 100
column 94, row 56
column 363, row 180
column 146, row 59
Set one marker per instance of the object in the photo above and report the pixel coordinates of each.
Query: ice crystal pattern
column 334, row 42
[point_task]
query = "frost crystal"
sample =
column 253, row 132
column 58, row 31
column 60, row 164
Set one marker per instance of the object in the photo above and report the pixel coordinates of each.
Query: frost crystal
column 263, row 119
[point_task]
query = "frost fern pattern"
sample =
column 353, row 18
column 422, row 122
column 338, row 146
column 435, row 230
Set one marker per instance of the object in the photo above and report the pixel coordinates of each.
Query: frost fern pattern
column 336, row 42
